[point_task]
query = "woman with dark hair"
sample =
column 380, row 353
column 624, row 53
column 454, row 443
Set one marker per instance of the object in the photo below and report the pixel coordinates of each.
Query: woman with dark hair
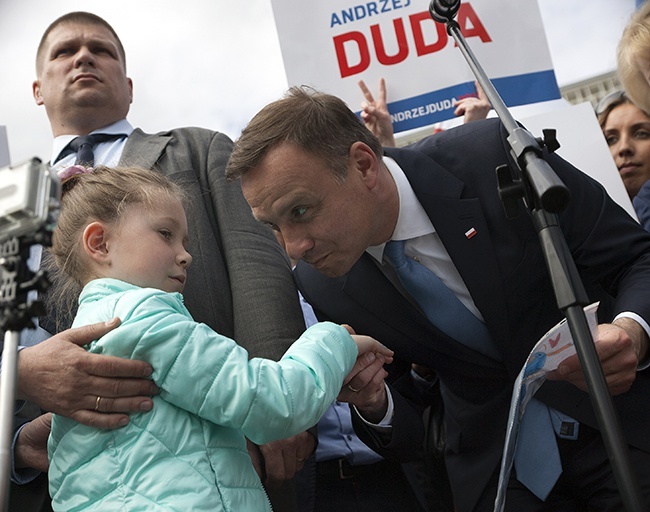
column 627, row 131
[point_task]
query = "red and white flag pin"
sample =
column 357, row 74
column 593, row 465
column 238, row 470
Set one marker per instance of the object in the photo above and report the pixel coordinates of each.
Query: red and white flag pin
column 470, row 233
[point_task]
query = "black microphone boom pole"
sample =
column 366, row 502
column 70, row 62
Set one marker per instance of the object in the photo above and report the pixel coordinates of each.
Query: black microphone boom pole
column 545, row 195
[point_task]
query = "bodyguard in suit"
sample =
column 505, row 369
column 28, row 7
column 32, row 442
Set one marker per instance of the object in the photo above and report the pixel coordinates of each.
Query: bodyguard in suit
column 240, row 283
column 310, row 170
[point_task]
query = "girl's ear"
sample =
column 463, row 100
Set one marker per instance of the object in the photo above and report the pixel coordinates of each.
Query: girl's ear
column 94, row 242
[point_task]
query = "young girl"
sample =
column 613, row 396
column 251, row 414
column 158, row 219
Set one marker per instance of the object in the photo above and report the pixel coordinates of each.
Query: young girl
column 122, row 235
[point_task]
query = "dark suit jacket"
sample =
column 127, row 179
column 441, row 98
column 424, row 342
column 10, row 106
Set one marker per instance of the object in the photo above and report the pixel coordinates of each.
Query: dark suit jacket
column 453, row 176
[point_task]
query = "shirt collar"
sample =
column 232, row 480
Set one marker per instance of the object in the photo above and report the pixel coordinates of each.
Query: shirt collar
column 119, row 127
column 412, row 220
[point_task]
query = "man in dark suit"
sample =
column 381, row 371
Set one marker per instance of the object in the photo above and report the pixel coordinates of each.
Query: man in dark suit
column 240, row 283
column 310, row 170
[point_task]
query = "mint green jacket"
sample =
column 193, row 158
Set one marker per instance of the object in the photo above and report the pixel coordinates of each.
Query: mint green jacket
column 189, row 452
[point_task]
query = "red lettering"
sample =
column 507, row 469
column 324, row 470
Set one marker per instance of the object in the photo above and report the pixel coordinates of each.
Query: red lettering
column 426, row 41
column 402, row 45
column 470, row 25
column 341, row 56
column 421, row 47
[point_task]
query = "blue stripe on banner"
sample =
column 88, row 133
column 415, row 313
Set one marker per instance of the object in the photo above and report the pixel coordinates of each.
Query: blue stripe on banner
column 434, row 107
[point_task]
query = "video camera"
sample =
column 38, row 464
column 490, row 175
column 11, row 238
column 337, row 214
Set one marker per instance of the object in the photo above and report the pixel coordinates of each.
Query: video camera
column 29, row 199
column 29, row 207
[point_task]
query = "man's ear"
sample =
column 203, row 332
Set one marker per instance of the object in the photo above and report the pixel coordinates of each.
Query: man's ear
column 364, row 161
column 94, row 244
column 36, row 91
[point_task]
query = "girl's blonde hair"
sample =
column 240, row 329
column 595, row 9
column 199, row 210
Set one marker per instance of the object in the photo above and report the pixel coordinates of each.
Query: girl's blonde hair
column 102, row 194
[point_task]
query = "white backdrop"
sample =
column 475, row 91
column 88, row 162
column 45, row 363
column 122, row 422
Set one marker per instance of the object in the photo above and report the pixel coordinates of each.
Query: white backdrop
column 331, row 45
column 214, row 64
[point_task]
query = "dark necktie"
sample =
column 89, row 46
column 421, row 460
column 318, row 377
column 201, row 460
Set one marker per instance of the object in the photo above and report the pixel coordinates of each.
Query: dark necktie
column 83, row 147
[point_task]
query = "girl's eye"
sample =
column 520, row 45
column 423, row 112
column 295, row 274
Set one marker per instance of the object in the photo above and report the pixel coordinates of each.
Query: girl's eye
column 165, row 233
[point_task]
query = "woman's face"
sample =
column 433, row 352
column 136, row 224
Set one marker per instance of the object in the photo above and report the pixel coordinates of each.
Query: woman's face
column 627, row 131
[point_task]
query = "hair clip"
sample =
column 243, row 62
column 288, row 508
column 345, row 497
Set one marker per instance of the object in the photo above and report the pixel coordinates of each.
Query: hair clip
column 71, row 171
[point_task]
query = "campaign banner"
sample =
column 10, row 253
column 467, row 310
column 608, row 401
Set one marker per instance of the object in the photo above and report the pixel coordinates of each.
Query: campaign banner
column 332, row 45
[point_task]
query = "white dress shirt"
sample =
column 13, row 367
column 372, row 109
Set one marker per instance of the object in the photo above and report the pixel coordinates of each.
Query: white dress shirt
column 106, row 153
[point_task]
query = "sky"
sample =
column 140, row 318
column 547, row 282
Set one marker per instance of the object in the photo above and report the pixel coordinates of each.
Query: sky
column 215, row 63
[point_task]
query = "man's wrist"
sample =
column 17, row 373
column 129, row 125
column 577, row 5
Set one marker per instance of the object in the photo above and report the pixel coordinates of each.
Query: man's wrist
column 20, row 473
column 382, row 417
column 639, row 336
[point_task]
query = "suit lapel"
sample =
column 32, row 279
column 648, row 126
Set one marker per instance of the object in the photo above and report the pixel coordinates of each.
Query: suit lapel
column 455, row 219
column 144, row 150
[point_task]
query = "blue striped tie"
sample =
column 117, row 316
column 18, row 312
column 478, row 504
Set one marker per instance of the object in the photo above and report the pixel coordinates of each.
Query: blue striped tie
column 439, row 303
column 537, row 458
